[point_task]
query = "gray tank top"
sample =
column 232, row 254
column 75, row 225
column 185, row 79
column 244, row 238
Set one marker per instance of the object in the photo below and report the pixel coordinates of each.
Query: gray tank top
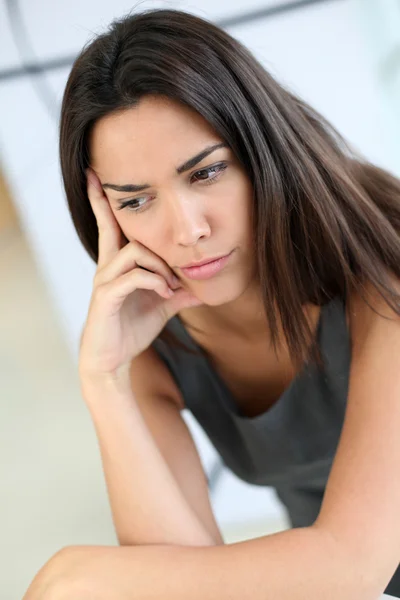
column 291, row 446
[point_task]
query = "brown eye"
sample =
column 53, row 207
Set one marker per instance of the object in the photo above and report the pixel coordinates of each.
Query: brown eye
column 138, row 204
column 134, row 205
column 218, row 169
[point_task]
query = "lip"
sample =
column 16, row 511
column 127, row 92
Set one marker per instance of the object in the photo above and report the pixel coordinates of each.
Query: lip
column 201, row 263
column 206, row 270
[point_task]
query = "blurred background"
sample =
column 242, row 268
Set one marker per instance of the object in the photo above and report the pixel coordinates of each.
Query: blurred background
column 343, row 56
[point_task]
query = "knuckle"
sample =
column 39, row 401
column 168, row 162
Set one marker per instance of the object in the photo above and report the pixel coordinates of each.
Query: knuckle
column 97, row 279
column 163, row 283
column 101, row 226
column 100, row 292
column 163, row 286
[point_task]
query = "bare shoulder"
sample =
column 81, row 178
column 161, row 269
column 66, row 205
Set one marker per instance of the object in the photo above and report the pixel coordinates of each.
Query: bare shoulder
column 151, row 378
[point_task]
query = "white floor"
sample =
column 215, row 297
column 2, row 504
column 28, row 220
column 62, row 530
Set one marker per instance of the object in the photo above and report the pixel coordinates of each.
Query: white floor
column 52, row 488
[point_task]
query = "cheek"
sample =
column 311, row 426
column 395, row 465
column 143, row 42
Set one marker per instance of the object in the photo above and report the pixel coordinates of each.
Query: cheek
column 148, row 236
column 130, row 231
column 235, row 211
column 129, row 225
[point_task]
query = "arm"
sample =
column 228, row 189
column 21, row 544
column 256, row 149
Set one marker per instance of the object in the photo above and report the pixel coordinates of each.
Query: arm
column 350, row 552
column 156, row 485
column 297, row 564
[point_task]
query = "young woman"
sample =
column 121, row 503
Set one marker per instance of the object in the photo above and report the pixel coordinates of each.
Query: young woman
column 178, row 148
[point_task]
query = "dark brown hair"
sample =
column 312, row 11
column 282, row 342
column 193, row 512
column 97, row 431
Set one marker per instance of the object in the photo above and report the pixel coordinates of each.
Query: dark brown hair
column 325, row 220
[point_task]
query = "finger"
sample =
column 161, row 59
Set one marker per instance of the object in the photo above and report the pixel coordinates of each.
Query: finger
column 109, row 229
column 135, row 255
column 180, row 299
column 152, row 261
column 115, row 292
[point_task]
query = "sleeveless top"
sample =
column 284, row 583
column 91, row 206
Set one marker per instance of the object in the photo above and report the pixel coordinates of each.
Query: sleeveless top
column 292, row 444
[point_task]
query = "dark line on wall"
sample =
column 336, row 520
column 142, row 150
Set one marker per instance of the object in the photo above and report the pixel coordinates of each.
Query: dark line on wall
column 269, row 12
column 25, row 50
column 55, row 64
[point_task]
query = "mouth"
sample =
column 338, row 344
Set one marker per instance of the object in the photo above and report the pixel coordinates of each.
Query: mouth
column 206, row 270
column 202, row 262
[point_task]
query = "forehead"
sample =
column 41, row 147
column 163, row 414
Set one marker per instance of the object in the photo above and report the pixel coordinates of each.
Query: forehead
column 157, row 130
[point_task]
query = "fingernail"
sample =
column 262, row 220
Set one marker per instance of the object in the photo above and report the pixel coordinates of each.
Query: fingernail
column 175, row 280
column 93, row 179
column 89, row 176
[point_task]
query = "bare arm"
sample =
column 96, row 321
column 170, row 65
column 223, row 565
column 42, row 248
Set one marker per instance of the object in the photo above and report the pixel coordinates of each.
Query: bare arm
column 156, row 485
column 296, row 564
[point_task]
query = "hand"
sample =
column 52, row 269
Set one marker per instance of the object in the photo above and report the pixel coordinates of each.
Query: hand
column 132, row 298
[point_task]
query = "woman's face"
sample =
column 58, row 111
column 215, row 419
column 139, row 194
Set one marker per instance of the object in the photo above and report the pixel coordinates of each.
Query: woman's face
column 188, row 216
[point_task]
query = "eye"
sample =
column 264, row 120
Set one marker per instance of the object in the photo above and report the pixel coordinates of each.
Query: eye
column 135, row 205
column 216, row 168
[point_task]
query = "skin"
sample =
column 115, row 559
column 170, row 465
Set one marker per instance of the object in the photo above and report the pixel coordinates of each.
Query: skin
column 186, row 220
column 185, row 217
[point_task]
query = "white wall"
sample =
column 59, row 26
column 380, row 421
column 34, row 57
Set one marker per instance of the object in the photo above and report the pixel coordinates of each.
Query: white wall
column 322, row 52
column 380, row 20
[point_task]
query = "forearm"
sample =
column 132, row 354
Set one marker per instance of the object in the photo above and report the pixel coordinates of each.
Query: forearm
column 297, row 564
column 147, row 504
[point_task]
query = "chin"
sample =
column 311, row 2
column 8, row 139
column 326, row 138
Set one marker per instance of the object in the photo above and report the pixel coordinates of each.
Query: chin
column 214, row 295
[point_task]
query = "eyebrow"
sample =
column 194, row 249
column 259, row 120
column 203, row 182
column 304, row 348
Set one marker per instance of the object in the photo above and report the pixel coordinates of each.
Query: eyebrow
column 131, row 187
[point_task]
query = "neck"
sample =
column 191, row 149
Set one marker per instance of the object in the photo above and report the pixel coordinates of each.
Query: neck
column 243, row 316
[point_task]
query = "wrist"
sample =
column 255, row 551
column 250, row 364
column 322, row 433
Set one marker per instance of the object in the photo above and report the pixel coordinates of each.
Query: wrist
column 93, row 374
column 106, row 383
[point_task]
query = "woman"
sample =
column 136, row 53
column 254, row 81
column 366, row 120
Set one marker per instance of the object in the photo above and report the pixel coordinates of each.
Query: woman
column 285, row 347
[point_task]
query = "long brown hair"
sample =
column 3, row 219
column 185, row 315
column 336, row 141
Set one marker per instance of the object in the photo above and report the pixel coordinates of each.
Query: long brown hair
column 325, row 219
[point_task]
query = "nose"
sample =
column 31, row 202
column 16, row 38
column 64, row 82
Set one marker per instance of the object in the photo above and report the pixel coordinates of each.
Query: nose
column 189, row 223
